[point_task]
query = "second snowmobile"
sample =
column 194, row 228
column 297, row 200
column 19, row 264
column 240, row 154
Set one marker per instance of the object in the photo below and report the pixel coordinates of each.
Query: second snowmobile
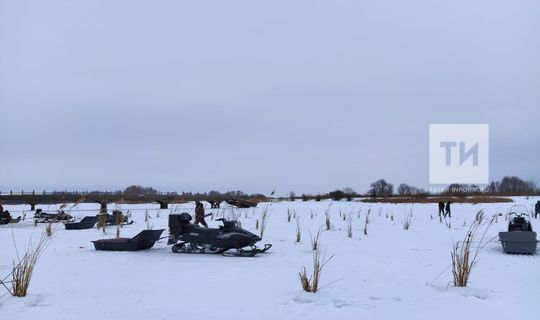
column 520, row 237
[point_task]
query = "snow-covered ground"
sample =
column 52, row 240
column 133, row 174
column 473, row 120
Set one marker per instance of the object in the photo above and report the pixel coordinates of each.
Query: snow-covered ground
column 390, row 273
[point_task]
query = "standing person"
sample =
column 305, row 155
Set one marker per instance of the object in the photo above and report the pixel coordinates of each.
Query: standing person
column 5, row 216
column 447, row 209
column 199, row 214
column 441, row 209
column 537, row 209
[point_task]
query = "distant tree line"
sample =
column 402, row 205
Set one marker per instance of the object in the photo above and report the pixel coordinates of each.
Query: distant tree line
column 509, row 185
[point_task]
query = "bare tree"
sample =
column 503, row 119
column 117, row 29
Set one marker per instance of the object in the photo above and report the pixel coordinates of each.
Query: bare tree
column 381, row 188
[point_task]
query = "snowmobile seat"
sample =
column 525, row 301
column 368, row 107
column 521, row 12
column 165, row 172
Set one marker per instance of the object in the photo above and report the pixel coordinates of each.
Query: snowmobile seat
column 144, row 240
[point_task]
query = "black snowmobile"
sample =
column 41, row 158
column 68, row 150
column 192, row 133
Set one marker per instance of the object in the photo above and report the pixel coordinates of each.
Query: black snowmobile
column 195, row 239
column 43, row 217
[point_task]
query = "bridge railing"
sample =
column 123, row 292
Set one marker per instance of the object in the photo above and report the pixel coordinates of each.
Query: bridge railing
column 83, row 193
column 115, row 193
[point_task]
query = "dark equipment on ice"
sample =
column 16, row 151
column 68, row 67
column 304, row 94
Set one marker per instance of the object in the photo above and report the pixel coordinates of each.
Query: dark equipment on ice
column 86, row 223
column 7, row 219
column 116, row 218
column 195, row 239
column 241, row 203
column 113, row 219
column 43, row 217
column 520, row 238
column 144, row 240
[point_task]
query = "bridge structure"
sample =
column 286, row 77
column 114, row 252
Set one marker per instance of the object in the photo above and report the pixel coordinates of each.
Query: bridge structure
column 163, row 199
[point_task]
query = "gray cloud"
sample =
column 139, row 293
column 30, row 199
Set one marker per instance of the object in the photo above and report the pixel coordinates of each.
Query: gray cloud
column 293, row 95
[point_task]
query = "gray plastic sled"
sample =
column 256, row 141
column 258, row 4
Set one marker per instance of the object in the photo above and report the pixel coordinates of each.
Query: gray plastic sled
column 523, row 242
column 87, row 222
column 144, row 240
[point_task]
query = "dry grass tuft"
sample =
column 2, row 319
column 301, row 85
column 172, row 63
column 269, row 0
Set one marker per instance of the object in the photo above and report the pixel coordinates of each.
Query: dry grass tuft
column 479, row 216
column 48, row 230
column 102, row 221
column 464, row 259
column 407, row 221
column 23, row 271
column 298, row 230
column 366, row 224
column 118, row 220
column 315, row 240
column 327, row 221
column 310, row 283
column 349, row 227
column 147, row 218
column 264, row 220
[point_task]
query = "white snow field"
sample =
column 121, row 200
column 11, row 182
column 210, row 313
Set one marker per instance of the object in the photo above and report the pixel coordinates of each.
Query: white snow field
column 390, row 273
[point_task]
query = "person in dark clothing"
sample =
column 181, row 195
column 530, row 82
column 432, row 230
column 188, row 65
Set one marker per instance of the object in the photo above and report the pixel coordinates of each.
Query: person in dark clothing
column 447, row 210
column 6, row 217
column 199, row 214
column 537, row 209
column 441, row 209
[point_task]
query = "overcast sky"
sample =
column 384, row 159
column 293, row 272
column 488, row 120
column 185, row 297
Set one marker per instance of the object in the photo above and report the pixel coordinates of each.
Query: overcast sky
column 307, row 96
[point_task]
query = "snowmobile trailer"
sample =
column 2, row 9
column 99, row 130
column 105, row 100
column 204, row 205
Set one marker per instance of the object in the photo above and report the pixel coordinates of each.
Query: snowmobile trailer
column 520, row 238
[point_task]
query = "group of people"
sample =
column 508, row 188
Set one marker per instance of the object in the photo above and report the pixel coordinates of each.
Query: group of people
column 444, row 209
